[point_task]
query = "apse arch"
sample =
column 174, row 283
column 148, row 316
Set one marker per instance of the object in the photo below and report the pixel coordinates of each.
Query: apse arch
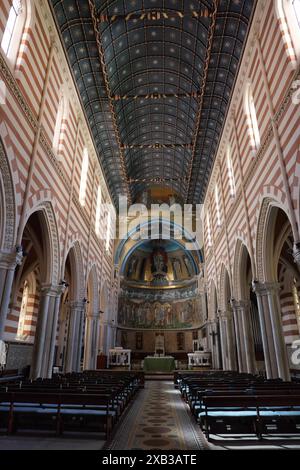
column 121, row 252
column 141, row 242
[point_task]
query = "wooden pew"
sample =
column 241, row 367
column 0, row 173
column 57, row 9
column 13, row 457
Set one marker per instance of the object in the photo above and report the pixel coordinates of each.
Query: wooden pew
column 57, row 406
column 84, row 397
column 248, row 414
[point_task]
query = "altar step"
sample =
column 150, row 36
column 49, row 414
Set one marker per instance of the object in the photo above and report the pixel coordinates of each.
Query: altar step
column 159, row 376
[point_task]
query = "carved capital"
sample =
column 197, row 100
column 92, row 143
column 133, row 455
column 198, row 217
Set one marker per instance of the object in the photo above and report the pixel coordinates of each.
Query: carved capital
column 10, row 261
column 265, row 288
column 296, row 254
column 240, row 305
column 52, row 290
column 94, row 315
column 227, row 315
column 77, row 305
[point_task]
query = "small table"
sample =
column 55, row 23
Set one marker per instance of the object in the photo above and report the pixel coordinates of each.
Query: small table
column 159, row 364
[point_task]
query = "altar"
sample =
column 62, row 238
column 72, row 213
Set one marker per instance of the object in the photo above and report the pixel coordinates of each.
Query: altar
column 159, row 364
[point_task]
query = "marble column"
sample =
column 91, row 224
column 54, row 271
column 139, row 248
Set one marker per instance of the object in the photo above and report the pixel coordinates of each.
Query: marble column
column 223, row 342
column 91, row 341
column 8, row 264
column 213, row 344
column 238, row 335
column 247, row 362
column 230, row 342
column 75, row 331
column 275, row 351
column 46, row 329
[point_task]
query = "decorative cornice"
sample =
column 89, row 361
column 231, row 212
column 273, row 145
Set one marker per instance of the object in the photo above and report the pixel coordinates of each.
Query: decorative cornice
column 11, row 83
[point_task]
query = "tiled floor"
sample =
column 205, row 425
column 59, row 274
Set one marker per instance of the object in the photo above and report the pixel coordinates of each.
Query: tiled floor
column 158, row 419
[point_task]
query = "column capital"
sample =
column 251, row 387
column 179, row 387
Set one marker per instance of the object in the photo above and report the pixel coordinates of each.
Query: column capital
column 212, row 328
column 11, row 260
column 296, row 253
column 52, row 290
column 239, row 305
column 265, row 288
column 77, row 304
column 95, row 315
column 225, row 315
column 211, row 323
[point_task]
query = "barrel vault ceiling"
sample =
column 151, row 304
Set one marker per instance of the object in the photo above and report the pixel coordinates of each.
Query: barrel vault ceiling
column 155, row 78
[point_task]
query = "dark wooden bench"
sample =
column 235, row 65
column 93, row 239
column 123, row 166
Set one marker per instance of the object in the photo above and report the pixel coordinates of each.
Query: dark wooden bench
column 92, row 397
column 258, row 414
column 62, row 408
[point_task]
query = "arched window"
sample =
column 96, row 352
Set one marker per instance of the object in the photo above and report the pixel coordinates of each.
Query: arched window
column 288, row 12
column 209, row 239
column 84, row 175
column 252, row 118
column 58, row 123
column 217, row 200
column 98, row 212
column 13, row 31
column 230, row 172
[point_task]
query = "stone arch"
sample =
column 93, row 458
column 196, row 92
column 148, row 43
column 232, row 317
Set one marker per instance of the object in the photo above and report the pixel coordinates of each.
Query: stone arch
column 104, row 300
column 77, row 289
column 265, row 221
column 212, row 300
column 7, row 199
column 225, row 288
column 92, row 283
column 240, row 257
column 273, row 193
column 51, row 235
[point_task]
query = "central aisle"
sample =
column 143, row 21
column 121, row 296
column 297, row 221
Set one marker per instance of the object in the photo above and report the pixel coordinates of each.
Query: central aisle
column 158, row 419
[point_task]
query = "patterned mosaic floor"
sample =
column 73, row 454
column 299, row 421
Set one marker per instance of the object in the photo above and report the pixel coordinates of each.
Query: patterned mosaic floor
column 160, row 420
